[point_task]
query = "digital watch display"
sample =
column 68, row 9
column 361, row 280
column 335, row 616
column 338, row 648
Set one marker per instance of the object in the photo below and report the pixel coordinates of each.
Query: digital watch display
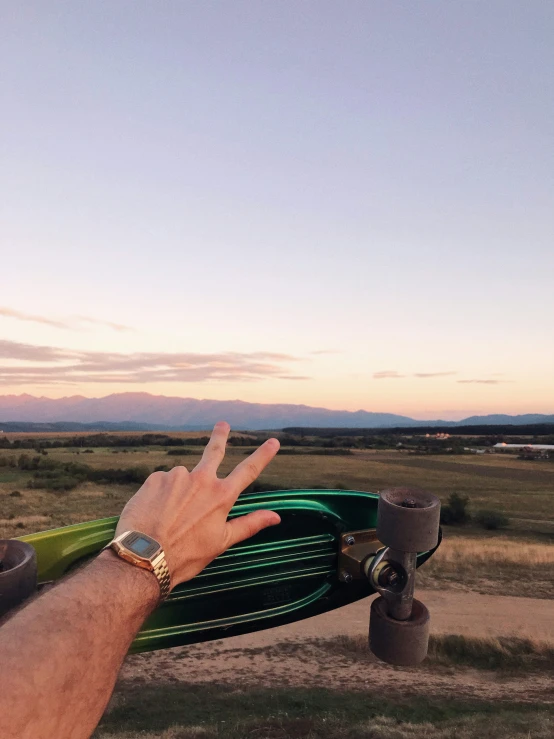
column 145, row 552
column 141, row 544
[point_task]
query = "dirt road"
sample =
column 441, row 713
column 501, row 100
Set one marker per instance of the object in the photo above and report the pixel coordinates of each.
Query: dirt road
column 297, row 654
column 452, row 612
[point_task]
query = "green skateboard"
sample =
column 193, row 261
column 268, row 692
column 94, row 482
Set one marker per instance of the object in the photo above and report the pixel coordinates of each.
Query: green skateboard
column 332, row 548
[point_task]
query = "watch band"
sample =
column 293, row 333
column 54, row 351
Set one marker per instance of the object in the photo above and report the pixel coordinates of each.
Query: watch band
column 161, row 571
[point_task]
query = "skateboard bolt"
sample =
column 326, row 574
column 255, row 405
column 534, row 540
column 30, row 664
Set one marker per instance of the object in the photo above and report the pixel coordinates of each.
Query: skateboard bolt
column 345, row 576
column 389, row 576
column 409, row 503
column 392, row 577
column 349, row 540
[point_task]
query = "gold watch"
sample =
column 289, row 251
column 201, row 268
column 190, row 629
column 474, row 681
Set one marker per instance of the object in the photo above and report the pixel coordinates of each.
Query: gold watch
column 143, row 551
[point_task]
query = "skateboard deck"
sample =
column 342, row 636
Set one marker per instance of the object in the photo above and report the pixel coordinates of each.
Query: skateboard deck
column 285, row 573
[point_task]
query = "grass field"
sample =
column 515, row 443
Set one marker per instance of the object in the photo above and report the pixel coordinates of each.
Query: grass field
column 516, row 561
column 497, row 565
column 170, row 712
column 522, row 490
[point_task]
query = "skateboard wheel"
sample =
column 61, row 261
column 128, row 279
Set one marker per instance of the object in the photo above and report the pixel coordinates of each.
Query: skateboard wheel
column 402, row 643
column 408, row 519
column 18, row 573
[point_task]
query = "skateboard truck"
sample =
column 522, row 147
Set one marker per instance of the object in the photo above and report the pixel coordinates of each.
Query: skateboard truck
column 407, row 523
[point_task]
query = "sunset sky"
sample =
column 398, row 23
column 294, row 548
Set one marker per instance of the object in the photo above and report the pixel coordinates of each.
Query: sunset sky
column 342, row 204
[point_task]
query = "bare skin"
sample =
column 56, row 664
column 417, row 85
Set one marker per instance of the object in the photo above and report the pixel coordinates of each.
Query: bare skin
column 61, row 653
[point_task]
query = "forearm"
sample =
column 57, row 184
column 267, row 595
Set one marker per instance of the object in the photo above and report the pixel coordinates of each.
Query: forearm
column 63, row 651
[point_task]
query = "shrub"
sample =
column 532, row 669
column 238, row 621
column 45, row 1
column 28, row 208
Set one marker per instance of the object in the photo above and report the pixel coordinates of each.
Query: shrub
column 492, row 520
column 53, row 475
column 55, row 482
column 181, row 452
column 25, row 462
column 120, row 476
column 456, row 510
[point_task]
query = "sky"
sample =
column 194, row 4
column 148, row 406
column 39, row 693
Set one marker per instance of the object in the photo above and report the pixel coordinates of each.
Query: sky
column 341, row 204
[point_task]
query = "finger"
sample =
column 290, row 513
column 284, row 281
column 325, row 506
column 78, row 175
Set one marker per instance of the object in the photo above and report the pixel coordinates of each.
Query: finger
column 215, row 449
column 244, row 527
column 248, row 470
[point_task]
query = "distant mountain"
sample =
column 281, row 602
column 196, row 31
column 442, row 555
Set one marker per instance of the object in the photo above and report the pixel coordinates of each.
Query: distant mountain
column 501, row 418
column 128, row 411
column 184, row 413
column 28, row 427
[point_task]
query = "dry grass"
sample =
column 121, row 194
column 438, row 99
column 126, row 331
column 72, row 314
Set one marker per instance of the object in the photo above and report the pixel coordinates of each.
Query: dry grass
column 188, row 711
column 499, row 565
column 504, row 725
column 511, row 654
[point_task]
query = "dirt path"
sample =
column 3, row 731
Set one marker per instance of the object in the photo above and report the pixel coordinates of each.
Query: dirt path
column 296, row 654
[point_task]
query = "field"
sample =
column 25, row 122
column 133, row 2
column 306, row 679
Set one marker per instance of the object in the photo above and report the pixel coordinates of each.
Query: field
column 300, row 686
column 517, row 560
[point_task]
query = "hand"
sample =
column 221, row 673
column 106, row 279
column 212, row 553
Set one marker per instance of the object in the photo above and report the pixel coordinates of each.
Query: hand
column 186, row 512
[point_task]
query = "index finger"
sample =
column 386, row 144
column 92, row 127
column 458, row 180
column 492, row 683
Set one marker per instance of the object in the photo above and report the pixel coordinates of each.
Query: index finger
column 248, row 470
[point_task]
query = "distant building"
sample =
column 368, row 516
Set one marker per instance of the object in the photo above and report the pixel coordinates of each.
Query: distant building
column 528, row 451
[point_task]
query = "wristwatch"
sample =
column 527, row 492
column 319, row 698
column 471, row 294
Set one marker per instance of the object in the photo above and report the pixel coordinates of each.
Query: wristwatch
column 143, row 551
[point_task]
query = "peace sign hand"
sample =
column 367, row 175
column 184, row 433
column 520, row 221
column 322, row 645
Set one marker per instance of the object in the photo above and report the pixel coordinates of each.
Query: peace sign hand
column 186, row 512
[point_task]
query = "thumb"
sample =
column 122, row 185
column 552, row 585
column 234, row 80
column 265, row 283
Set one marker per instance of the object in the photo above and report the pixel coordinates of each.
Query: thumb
column 244, row 527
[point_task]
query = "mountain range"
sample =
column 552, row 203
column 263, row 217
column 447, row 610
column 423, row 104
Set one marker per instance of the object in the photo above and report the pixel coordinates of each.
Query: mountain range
column 146, row 411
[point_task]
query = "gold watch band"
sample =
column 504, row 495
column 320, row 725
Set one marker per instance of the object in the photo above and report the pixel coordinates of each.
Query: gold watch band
column 161, row 571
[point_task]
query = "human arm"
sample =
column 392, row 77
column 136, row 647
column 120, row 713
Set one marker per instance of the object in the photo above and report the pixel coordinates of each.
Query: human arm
column 63, row 651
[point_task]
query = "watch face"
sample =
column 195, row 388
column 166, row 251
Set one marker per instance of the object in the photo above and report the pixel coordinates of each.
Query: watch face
column 141, row 544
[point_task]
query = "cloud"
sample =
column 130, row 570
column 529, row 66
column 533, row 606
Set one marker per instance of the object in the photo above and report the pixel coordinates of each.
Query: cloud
column 32, row 353
column 109, row 324
column 19, row 316
column 71, row 323
column 55, row 366
column 482, row 382
column 326, row 351
column 395, row 375
column 387, row 375
column 434, row 374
